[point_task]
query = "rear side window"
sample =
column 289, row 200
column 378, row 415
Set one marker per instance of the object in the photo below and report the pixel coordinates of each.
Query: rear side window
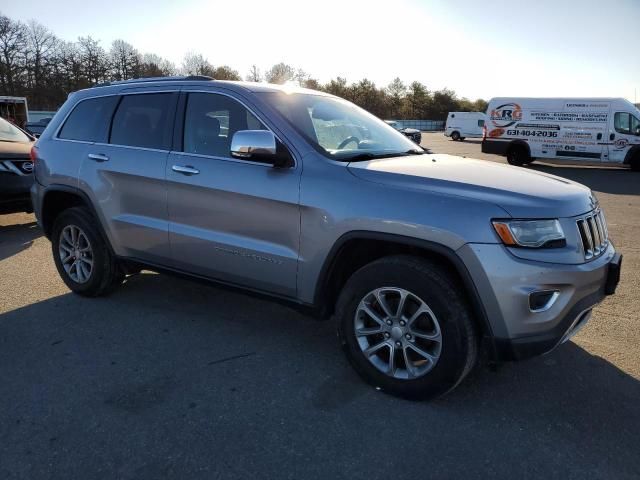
column 143, row 120
column 481, row 123
column 89, row 120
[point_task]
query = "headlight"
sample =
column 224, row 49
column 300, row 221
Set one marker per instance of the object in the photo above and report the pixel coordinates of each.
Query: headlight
column 530, row 233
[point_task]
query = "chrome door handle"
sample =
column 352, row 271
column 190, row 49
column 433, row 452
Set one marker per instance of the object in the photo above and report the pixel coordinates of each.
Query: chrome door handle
column 185, row 169
column 98, row 157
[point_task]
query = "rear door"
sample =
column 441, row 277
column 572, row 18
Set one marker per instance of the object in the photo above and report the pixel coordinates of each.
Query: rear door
column 125, row 175
column 230, row 219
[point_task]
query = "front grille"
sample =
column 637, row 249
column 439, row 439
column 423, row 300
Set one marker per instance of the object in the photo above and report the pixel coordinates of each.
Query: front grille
column 593, row 234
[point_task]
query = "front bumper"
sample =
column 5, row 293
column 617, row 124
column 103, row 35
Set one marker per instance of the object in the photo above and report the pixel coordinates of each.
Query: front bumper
column 505, row 282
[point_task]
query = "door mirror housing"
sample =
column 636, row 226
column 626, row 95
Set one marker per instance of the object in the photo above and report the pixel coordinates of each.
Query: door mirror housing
column 260, row 146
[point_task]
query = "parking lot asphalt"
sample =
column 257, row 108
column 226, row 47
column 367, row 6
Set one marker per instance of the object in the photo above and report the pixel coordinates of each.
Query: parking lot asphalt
column 169, row 378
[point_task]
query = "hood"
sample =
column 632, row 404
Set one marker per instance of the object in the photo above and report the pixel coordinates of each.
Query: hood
column 521, row 192
column 10, row 150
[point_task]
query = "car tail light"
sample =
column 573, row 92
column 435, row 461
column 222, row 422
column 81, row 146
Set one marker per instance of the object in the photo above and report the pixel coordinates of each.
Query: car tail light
column 33, row 155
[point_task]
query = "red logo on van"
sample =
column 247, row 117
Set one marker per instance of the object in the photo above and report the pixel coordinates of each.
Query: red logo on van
column 506, row 115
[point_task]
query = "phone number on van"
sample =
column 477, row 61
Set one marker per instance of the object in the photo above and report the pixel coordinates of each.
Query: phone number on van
column 532, row 133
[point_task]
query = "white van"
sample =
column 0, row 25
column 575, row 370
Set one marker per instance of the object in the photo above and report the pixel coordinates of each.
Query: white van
column 574, row 129
column 461, row 125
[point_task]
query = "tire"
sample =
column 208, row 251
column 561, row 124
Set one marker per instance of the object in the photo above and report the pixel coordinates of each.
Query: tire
column 426, row 282
column 518, row 155
column 635, row 163
column 455, row 136
column 97, row 271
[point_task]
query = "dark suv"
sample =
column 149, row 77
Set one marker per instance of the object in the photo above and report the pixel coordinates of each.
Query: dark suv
column 16, row 168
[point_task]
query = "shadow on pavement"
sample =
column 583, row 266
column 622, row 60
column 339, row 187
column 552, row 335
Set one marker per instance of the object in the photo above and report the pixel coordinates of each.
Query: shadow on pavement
column 606, row 180
column 16, row 238
column 168, row 378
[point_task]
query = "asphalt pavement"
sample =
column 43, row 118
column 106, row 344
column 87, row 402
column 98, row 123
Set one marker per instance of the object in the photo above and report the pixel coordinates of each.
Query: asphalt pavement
column 170, row 378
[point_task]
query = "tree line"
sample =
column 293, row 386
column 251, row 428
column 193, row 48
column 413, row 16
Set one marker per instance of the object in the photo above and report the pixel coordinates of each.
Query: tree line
column 36, row 64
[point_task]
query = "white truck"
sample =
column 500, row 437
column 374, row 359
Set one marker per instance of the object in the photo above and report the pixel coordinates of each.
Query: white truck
column 461, row 125
column 594, row 130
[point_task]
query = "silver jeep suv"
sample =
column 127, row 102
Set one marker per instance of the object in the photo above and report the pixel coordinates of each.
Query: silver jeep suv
column 424, row 260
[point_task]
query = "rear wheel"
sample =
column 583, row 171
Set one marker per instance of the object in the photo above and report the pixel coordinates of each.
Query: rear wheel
column 406, row 328
column 635, row 163
column 518, row 155
column 82, row 257
column 455, row 136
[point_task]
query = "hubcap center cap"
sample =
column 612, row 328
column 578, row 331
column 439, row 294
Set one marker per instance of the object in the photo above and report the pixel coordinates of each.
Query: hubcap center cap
column 396, row 333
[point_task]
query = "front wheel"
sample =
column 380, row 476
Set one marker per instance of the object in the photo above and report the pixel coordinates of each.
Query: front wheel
column 406, row 328
column 455, row 136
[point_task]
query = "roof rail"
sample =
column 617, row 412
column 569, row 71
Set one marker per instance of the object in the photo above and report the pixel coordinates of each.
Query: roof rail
column 157, row 79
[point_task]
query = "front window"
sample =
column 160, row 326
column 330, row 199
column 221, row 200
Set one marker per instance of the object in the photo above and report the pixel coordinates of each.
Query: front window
column 622, row 122
column 339, row 129
column 11, row 133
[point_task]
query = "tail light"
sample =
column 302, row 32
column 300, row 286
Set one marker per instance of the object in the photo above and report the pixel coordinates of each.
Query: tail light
column 33, row 155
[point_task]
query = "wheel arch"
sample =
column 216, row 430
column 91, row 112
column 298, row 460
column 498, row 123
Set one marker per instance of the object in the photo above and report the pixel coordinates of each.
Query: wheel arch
column 357, row 248
column 57, row 198
column 632, row 155
column 519, row 144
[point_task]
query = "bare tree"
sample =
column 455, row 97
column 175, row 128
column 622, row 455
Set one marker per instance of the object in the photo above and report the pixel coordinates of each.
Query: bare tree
column 254, row 74
column 280, row 73
column 125, row 60
column 13, row 45
column 196, row 64
column 94, row 60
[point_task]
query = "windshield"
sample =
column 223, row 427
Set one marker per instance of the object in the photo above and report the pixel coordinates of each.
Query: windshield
column 339, row 129
column 11, row 133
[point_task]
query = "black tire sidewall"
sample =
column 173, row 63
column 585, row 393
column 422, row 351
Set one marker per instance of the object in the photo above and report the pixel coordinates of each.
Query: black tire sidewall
column 450, row 311
column 102, row 271
column 455, row 136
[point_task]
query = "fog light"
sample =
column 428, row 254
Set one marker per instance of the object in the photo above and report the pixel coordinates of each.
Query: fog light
column 542, row 300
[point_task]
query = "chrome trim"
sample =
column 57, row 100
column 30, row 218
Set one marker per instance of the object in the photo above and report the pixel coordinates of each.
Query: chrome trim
column 9, row 166
column 98, row 157
column 593, row 234
column 185, row 169
column 226, row 159
column 550, row 302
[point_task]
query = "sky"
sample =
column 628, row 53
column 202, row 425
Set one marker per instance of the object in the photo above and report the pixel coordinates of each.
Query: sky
column 479, row 48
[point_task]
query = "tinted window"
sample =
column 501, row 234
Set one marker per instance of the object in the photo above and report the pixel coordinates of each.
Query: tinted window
column 89, row 120
column 143, row 120
column 481, row 123
column 210, row 122
column 635, row 126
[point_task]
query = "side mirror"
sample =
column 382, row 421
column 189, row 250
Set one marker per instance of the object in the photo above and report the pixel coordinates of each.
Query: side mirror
column 260, row 146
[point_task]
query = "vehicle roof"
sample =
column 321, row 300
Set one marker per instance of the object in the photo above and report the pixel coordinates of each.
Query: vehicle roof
column 570, row 99
column 199, row 81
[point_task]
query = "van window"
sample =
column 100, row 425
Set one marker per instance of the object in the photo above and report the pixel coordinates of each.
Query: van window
column 481, row 123
column 622, row 122
column 143, row 120
column 89, row 120
column 635, row 126
column 210, row 122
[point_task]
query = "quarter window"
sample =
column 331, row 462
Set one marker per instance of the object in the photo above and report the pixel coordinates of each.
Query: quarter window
column 210, row 122
column 143, row 120
column 89, row 120
column 481, row 123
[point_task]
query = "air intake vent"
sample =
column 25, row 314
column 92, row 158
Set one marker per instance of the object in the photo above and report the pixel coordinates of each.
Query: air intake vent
column 593, row 234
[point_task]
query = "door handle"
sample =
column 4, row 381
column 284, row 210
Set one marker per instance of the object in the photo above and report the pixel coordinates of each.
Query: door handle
column 185, row 169
column 98, row 157
column 612, row 136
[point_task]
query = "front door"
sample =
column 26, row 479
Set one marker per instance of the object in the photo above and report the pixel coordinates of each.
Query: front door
column 230, row 219
column 623, row 136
